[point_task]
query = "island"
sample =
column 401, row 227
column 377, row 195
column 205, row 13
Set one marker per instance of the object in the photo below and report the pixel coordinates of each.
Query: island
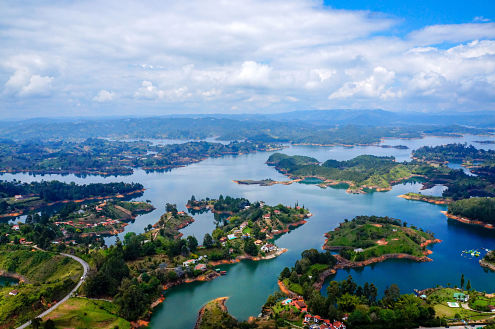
column 17, row 198
column 476, row 211
column 369, row 239
column 362, row 174
column 426, row 198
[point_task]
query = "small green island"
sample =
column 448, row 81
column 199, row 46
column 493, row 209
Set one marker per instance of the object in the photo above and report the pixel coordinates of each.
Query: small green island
column 426, row 198
column 361, row 174
column 369, row 239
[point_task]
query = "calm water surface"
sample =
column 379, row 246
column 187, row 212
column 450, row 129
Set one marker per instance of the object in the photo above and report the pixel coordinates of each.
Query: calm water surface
column 248, row 284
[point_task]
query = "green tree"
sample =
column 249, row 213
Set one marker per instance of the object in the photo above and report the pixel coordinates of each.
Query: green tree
column 192, row 243
column 250, row 248
column 131, row 300
column 347, row 302
column 462, row 281
column 468, row 285
column 208, row 241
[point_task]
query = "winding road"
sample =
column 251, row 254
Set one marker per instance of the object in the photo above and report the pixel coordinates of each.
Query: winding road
column 85, row 272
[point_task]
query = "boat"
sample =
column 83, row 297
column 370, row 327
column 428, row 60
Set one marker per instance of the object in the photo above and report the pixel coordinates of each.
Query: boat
column 223, row 272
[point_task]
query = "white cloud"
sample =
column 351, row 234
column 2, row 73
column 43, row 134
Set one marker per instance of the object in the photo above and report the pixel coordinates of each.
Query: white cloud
column 374, row 86
column 104, row 96
column 212, row 55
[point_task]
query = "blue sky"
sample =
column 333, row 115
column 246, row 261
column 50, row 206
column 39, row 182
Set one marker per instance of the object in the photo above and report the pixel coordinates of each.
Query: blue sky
column 93, row 58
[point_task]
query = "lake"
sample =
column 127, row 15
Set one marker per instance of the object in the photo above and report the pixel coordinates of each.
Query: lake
column 248, row 284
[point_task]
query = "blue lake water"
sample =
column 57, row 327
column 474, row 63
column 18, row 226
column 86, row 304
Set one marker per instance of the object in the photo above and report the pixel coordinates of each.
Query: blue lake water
column 248, row 284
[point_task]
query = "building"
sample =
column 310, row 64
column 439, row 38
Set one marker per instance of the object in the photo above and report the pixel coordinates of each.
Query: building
column 358, row 250
column 189, row 262
column 200, row 267
column 459, row 296
column 268, row 247
column 13, row 293
column 491, row 308
column 179, row 271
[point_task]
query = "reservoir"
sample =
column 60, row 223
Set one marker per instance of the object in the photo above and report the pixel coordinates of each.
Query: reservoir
column 247, row 283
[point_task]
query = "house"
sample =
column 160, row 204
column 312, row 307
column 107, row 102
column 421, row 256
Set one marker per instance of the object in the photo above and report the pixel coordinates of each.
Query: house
column 268, row 247
column 203, row 258
column 266, row 216
column 358, row 250
column 13, row 293
column 243, row 225
column 15, row 227
column 222, row 239
column 200, row 267
column 276, row 212
column 307, row 318
column 300, row 305
column 237, row 233
column 338, row 325
column 189, row 262
column 258, row 242
column 491, row 308
column 162, row 266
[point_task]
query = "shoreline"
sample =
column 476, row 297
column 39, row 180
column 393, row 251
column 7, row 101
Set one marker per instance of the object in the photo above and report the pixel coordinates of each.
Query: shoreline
column 220, row 301
column 425, row 199
column 21, row 278
column 468, row 221
column 487, row 265
column 49, row 204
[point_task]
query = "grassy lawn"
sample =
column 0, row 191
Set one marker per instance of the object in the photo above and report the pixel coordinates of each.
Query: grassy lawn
column 87, row 313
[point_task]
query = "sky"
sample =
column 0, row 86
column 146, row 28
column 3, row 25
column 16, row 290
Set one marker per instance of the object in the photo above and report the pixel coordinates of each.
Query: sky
column 119, row 58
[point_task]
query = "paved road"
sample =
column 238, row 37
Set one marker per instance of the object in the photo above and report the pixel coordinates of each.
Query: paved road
column 85, row 268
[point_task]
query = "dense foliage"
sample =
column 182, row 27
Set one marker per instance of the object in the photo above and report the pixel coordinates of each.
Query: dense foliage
column 366, row 170
column 482, row 209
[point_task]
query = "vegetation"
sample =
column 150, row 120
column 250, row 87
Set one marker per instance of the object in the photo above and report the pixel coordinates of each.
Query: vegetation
column 105, row 157
column 16, row 197
column 482, row 209
column 361, row 172
column 365, row 237
column 87, row 313
column 460, row 153
column 49, row 277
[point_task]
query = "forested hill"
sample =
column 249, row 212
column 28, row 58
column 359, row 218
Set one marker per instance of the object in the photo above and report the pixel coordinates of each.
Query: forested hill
column 364, row 170
column 454, row 153
column 482, row 209
column 318, row 127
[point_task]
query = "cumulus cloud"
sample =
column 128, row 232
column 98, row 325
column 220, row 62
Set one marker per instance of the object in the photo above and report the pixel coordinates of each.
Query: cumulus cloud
column 104, row 96
column 212, row 55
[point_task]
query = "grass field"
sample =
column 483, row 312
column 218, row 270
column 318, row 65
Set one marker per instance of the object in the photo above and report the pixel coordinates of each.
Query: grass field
column 50, row 277
column 79, row 313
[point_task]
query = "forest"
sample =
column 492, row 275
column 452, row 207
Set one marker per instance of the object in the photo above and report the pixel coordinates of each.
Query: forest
column 482, row 209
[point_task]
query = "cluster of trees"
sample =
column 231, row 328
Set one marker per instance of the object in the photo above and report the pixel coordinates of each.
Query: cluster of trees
column 482, row 209
column 111, row 278
column 230, row 204
column 453, row 153
column 50, row 191
column 304, row 273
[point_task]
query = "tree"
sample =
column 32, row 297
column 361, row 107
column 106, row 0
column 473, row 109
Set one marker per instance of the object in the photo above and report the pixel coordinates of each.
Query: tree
column 462, row 281
column 192, row 243
column 131, row 300
column 392, row 294
column 35, row 323
column 347, row 302
column 285, row 273
column 208, row 241
column 49, row 324
column 250, row 248
column 468, row 285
